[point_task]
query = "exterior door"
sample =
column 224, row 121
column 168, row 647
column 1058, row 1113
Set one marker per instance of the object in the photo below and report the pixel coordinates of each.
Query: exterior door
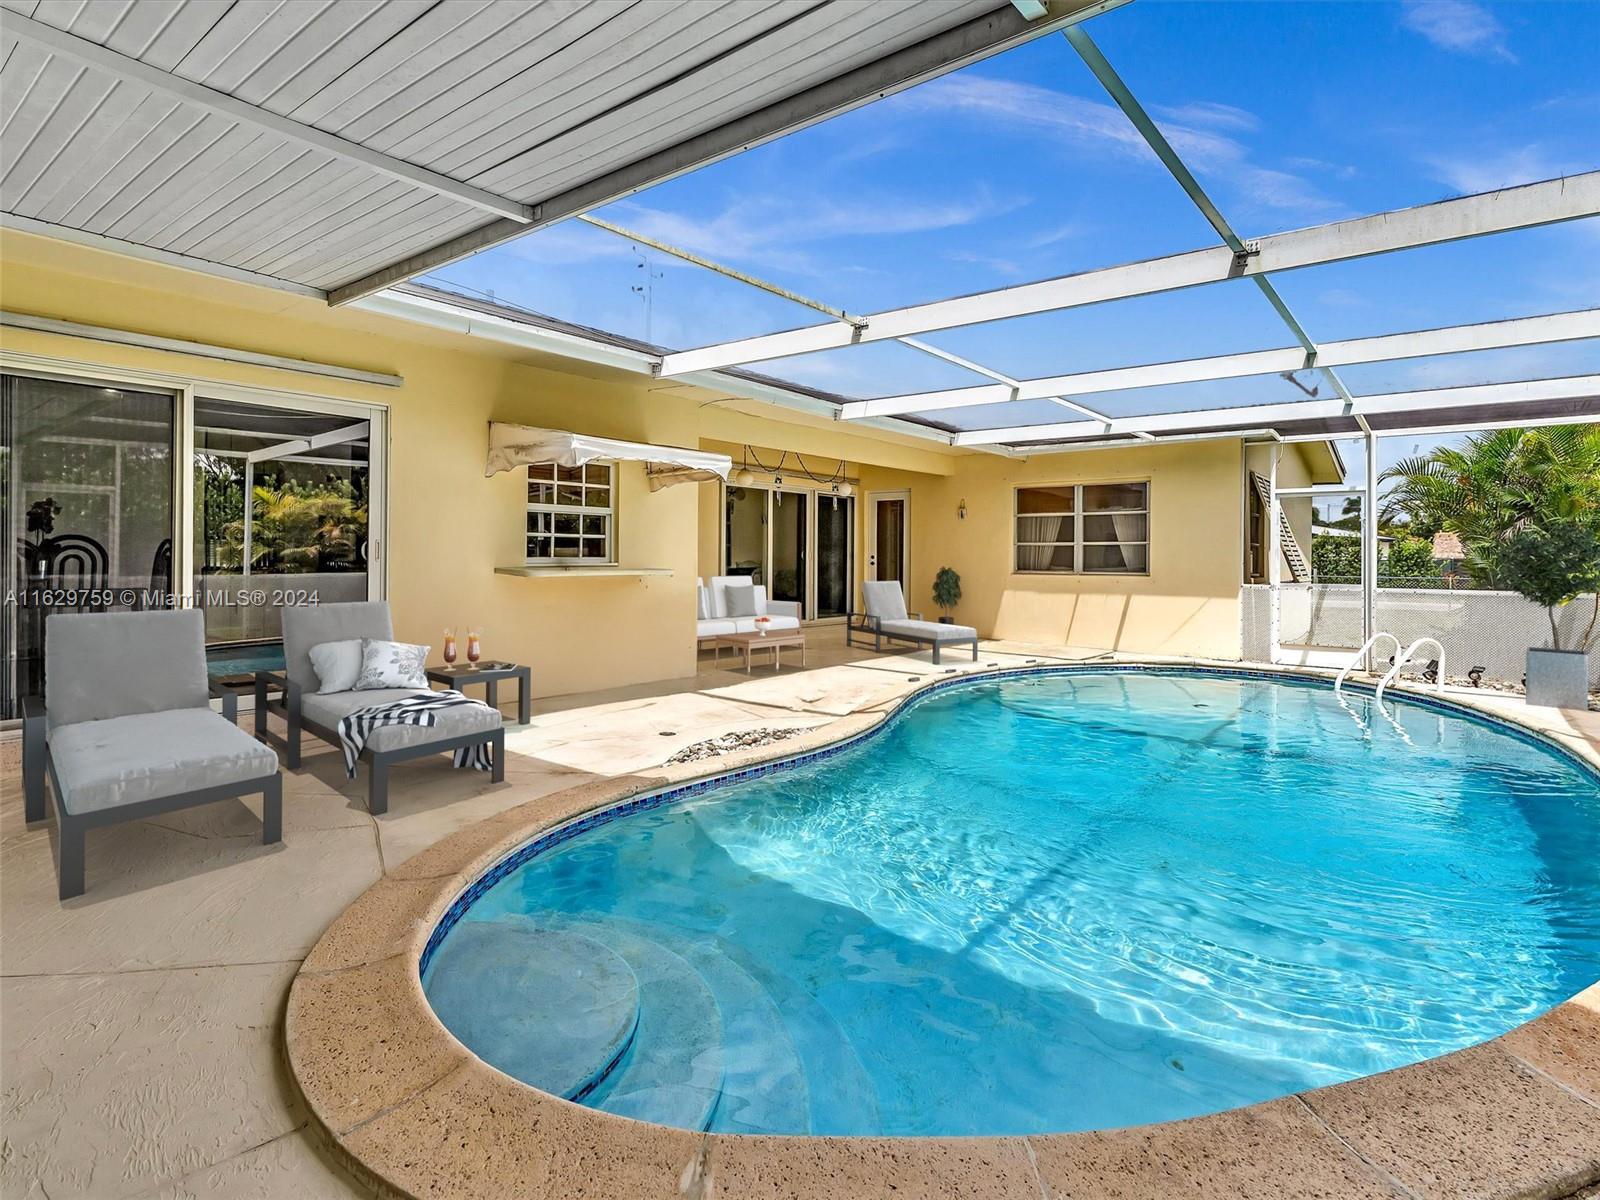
column 886, row 536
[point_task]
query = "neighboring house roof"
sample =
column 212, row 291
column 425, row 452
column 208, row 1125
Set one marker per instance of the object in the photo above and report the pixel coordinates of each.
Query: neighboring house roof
column 1447, row 546
column 1335, row 531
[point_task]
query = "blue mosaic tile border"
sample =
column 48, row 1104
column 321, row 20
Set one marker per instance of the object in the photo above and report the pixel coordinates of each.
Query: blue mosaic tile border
column 604, row 816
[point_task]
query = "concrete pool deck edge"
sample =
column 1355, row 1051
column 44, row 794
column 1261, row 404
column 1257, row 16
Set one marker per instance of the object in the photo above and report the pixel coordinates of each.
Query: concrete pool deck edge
column 404, row 1103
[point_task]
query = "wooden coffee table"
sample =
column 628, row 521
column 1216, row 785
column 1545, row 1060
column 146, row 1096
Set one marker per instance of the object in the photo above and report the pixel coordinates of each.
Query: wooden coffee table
column 774, row 640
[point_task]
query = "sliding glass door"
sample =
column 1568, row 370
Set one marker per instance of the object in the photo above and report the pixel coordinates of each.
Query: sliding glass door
column 87, row 476
column 836, row 523
column 790, row 523
column 279, row 504
column 797, row 542
column 282, row 509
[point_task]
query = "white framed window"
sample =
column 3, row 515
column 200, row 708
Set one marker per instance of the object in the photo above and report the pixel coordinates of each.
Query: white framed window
column 571, row 513
column 1083, row 529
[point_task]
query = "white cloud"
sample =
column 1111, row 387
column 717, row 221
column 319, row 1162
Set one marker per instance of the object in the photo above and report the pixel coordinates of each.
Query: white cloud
column 1459, row 27
column 1098, row 126
column 1211, row 113
column 773, row 230
column 1486, row 172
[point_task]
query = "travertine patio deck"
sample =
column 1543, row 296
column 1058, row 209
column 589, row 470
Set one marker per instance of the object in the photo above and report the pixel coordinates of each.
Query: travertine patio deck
column 143, row 1034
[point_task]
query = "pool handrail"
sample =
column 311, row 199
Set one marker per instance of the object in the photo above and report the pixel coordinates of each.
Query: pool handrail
column 1361, row 655
column 1402, row 659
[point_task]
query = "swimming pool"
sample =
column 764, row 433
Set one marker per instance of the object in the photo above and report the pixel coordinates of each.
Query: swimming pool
column 1044, row 903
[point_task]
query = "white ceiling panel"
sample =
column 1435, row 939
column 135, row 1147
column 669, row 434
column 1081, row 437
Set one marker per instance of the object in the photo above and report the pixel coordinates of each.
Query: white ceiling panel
column 343, row 144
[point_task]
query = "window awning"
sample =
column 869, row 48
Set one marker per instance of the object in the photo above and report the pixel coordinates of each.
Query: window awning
column 513, row 446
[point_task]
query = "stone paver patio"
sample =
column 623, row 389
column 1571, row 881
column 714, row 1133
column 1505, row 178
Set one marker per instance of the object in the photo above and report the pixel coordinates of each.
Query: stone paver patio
column 143, row 1022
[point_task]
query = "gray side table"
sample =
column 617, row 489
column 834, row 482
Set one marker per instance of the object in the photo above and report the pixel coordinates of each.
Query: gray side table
column 490, row 675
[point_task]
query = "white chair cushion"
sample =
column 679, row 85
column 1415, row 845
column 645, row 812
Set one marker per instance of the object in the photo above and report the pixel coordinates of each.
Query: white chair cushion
column 884, row 599
column 714, row 628
column 929, row 630
column 337, row 664
column 123, row 760
column 450, row 722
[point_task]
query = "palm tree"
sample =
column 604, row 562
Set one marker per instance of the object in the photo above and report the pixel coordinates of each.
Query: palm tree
column 1495, row 484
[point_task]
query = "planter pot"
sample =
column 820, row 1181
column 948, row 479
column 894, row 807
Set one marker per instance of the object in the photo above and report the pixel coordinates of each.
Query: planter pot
column 947, row 620
column 1558, row 678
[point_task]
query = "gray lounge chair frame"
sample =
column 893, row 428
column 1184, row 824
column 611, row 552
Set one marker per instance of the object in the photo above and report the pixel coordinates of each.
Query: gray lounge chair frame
column 375, row 618
column 864, row 623
column 38, row 762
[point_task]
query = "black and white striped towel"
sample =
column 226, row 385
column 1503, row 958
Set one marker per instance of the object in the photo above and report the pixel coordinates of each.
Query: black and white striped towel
column 356, row 727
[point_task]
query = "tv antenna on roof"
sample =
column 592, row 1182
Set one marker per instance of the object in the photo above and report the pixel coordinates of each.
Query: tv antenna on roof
column 647, row 289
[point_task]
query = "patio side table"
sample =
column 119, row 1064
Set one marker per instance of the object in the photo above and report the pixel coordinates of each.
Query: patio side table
column 490, row 674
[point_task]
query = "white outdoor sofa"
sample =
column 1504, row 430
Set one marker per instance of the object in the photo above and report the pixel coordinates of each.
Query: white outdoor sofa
column 886, row 618
column 712, row 611
column 126, row 731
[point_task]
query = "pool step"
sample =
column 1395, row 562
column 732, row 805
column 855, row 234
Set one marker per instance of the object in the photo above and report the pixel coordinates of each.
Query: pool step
column 672, row 1072
column 552, row 1008
column 764, row 1086
column 841, row 1094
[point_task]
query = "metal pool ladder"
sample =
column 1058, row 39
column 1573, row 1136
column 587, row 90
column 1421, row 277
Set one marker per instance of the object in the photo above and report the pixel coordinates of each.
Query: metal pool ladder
column 1402, row 659
column 1361, row 654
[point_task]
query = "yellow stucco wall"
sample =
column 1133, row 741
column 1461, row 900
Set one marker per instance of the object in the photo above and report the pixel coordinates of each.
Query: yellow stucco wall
column 448, row 526
column 1187, row 604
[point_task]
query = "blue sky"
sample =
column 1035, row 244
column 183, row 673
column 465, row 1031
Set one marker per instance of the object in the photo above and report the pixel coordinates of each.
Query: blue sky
column 1019, row 168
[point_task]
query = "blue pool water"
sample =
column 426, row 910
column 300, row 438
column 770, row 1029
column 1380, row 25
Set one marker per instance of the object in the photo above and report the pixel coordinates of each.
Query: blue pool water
column 1048, row 903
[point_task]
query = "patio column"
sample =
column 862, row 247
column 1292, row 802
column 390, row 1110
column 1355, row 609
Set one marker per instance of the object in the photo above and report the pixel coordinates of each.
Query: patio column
column 1274, row 550
column 1369, row 543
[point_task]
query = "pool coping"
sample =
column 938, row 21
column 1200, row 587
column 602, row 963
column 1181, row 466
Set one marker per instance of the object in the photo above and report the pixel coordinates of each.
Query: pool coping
column 408, row 1107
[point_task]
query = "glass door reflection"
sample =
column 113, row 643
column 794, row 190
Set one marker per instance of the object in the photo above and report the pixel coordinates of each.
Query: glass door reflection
column 89, row 486
column 835, row 522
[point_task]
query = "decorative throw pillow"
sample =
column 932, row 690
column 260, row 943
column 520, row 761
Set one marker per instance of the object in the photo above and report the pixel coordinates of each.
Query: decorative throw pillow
column 337, row 665
column 392, row 665
column 741, row 600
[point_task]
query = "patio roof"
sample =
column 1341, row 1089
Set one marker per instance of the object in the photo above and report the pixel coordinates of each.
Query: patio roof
column 332, row 150
column 339, row 151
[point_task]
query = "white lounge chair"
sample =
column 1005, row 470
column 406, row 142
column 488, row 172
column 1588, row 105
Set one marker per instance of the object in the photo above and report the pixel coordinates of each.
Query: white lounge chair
column 126, row 731
column 886, row 618
column 712, row 612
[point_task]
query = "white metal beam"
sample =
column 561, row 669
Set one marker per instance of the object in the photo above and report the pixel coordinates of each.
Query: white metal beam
column 1260, row 416
column 1422, row 343
column 121, row 66
column 1521, row 207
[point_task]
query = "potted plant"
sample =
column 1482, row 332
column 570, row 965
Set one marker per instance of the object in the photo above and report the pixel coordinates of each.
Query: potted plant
column 946, row 591
column 1553, row 563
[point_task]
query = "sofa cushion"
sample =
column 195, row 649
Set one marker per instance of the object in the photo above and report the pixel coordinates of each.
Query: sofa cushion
column 929, row 631
column 884, row 599
column 123, row 760
column 308, row 625
column 741, row 601
column 328, row 710
column 714, row 628
column 103, row 665
column 719, row 594
column 702, row 602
